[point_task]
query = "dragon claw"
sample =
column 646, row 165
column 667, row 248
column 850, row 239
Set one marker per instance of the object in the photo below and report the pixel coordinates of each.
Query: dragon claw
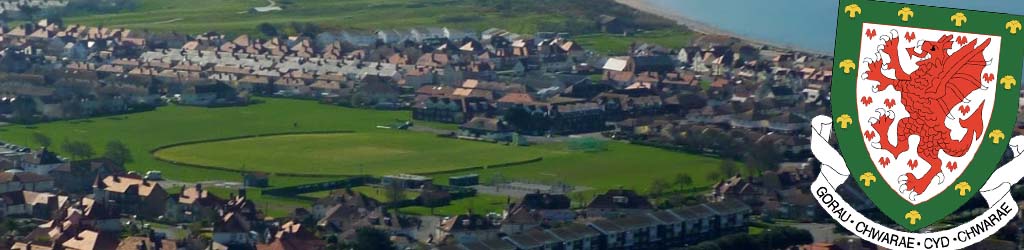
column 873, row 120
column 874, row 89
column 864, row 76
column 913, row 196
column 903, row 189
column 939, row 178
column 950, row 116
column 890, row 114
column 876, row 145
column 902, row 179
column 884, row 38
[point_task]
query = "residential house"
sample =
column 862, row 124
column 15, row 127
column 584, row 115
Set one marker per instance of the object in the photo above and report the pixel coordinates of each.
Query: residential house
column 490, row 129
column 16, row 180
column 623, row 104
column 731, row 216
column 232, row 230
column 132, row 193
column 629, row 232
column 576, row 236
column 617, row 202
column 78, row 176
column 450, row 105
column 30, row 204
column 41, row 162
column 537, row 209
column 293, row 236
column 698, row 223
column 192, row 204
column 467, row 228
column 535, row 239
column 152, row 242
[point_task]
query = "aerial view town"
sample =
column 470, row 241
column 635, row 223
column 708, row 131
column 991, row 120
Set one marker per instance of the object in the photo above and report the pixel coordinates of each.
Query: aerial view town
column 426, row 124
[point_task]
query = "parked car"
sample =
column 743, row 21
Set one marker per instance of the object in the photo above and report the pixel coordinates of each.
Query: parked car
column 154, row 175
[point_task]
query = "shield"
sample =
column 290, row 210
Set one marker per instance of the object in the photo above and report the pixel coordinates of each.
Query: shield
column 924, row 100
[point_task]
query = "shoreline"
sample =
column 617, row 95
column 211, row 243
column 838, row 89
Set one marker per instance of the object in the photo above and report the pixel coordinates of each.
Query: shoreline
column 704, row 28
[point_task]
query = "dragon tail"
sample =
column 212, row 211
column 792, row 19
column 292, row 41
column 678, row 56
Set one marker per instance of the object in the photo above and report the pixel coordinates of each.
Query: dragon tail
column 975, row 127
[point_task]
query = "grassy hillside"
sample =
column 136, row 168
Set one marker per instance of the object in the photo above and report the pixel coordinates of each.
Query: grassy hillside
column 232, row 16
column 524, row 16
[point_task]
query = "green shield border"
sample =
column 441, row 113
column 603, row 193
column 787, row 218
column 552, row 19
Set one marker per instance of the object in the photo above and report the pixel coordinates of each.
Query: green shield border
column 844, row 101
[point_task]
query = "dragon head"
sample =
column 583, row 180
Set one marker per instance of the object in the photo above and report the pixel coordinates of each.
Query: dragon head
column 935, row 49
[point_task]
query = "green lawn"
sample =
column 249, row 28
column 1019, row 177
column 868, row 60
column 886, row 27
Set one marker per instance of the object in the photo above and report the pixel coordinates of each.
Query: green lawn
column 374, row 153
column 612, row 44
column 146, row 131
column 480, row 204
column 621, row 164
column 194, row 16
column 376, row 193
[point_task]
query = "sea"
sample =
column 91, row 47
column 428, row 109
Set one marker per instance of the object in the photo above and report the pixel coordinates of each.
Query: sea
column 804, row 24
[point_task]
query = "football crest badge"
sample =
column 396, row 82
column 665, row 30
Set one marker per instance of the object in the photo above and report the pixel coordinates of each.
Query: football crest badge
column 924, row 101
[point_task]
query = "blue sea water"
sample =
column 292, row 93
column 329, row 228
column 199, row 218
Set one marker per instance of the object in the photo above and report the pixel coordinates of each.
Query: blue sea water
column 807, row 24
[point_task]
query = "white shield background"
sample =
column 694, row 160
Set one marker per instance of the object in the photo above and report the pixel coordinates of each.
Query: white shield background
column 899, row 166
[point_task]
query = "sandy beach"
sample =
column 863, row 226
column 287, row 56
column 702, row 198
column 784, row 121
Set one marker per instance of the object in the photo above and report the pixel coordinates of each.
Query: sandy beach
column 698, row 26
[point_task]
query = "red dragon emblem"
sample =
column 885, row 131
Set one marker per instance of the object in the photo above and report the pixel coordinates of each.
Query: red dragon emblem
column 942, row 81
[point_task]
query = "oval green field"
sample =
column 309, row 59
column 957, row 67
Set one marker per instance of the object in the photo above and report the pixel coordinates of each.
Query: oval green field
column 346, row 153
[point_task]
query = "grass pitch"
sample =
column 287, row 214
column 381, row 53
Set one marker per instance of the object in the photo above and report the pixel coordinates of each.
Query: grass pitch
column 368, row 149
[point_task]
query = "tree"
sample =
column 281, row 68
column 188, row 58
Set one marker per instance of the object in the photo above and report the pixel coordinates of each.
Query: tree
column 78, row 150
column 394, row 191
column 763, row 156
column 41, row 139
column 684, row 180
column 784, row 237
column 268, row 29
column 118, row 152
column 29, row 10
column 706, row 245
column 658, row 187
column 519, row 118
column 369, row 238
column 729, row 168
column 714, row 176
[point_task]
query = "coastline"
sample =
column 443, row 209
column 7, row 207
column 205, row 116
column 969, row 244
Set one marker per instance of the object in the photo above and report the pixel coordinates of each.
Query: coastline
column 704, row 28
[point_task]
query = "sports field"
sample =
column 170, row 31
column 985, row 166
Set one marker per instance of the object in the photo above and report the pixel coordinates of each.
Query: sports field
column 347, row 153
column 367, row 149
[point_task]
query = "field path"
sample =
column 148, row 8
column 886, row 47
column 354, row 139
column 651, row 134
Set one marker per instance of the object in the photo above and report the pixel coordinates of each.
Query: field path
column 270, row 4
column 168, row 21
